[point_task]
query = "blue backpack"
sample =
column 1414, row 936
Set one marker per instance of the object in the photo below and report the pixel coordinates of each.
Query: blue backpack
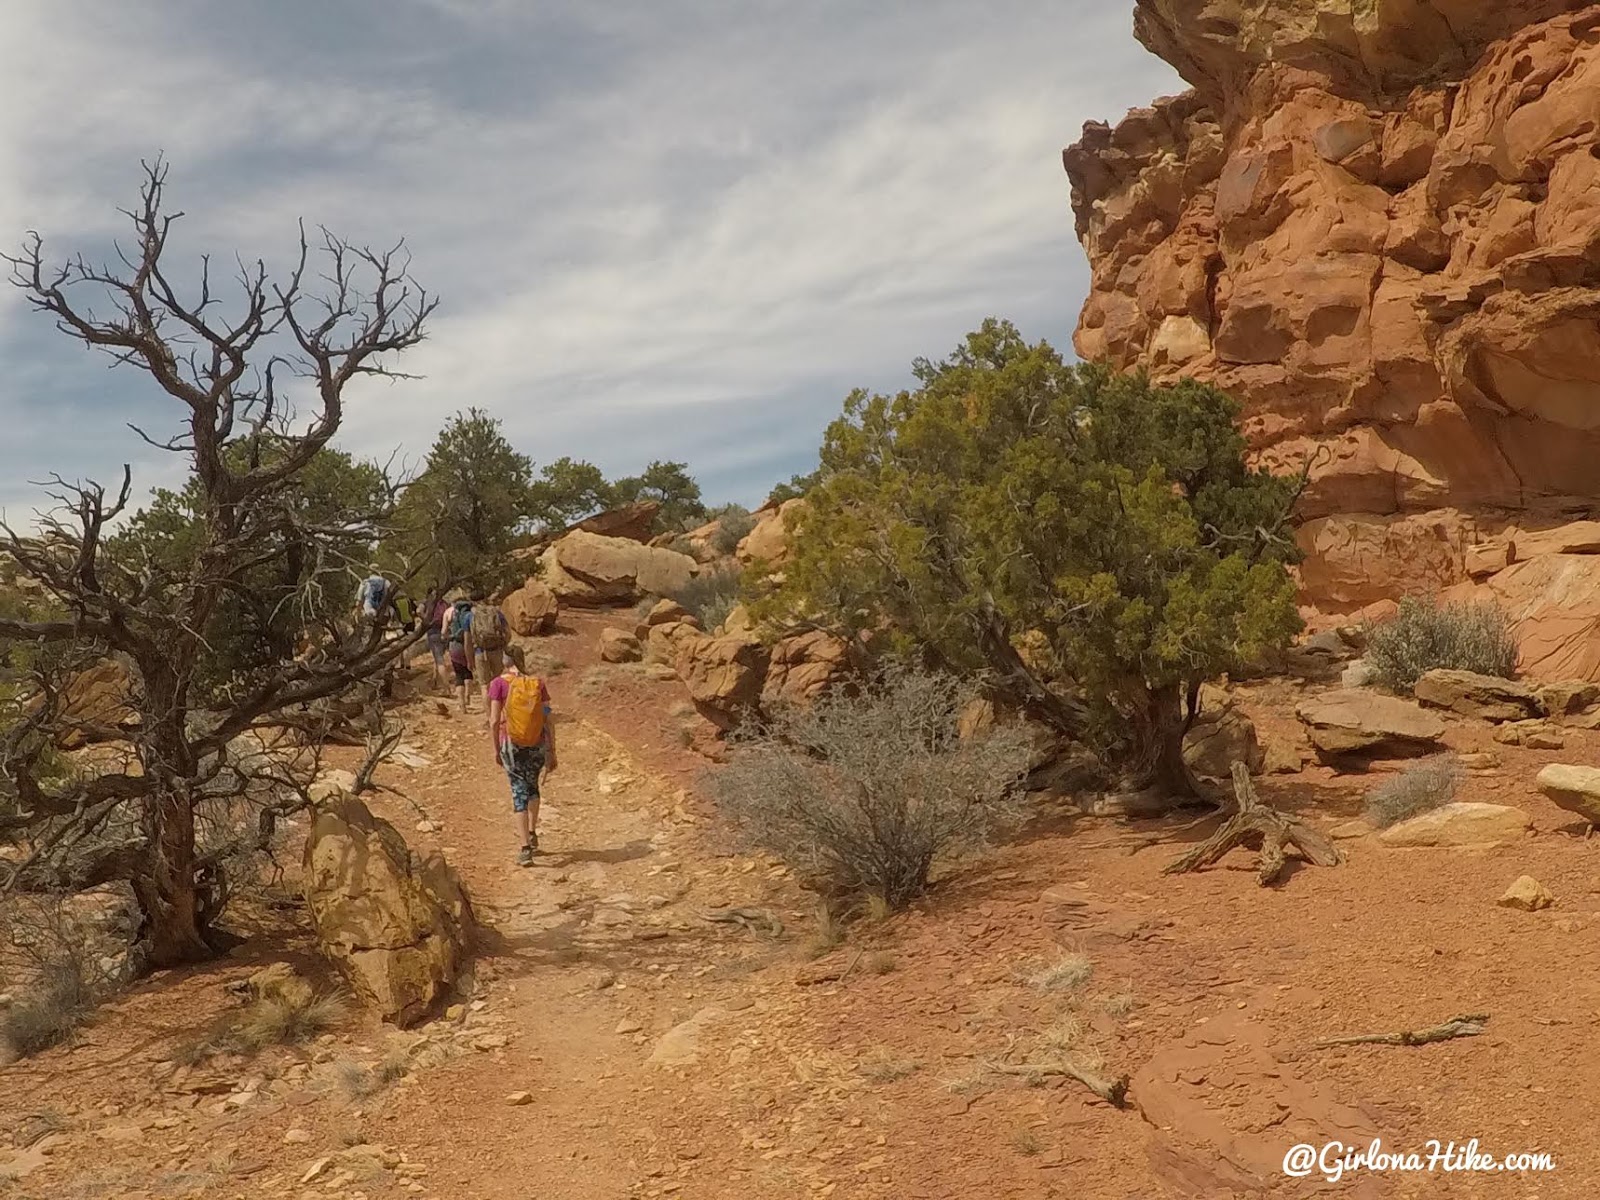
column 460, row 620
column 375, row 588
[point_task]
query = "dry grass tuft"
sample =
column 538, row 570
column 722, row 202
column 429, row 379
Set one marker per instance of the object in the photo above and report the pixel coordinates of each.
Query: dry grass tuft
column 50, row 1011
column 1417, row 789
column 827, row 935
column 1066, row 974
column 883, row 1066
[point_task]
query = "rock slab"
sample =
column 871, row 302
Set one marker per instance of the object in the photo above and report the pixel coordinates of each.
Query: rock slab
column 1461, row 823
column 1367, row 724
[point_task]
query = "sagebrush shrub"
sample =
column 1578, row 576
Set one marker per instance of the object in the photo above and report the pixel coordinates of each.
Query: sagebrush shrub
column 1423, row 636
column 863, row 793
column 1417, row 789
column 710, row 596
column 49, row 1011
column 734, row 524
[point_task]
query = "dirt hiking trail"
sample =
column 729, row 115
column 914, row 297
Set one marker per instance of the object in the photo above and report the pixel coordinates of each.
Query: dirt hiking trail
column 617, row 1044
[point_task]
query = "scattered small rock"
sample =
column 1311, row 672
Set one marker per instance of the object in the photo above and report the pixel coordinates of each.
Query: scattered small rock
column 1528, row 894
column 625, row 1027
column 296, row 1137
column 1350, row 829
column 518, row 1099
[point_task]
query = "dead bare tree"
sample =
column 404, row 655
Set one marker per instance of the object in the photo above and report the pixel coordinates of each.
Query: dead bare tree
column 340, row 315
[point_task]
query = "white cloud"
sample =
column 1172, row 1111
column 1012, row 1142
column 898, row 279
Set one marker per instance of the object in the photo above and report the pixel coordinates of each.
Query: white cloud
column 668, row 229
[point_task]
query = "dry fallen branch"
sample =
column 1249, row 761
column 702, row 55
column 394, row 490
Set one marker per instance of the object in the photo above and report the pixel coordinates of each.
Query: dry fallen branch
column 762, row 922
column 1456, row 1027
column 1276, row 831
column 1113, row 1091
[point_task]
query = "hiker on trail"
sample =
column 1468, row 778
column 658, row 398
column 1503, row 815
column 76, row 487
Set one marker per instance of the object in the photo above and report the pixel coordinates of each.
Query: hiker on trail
column 455, row 620
column 370, row 593
column 433, row 610
column 522, row 733
column 488, row 635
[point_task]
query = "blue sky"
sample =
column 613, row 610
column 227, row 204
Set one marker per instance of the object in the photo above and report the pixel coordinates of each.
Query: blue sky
column 658, row 228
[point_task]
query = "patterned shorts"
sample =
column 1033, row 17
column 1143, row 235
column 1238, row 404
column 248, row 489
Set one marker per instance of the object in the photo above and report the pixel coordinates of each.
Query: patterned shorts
column 522, row 764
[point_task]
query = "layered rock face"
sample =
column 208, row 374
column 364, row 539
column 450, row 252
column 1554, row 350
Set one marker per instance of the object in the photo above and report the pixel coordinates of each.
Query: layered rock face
column 1378, row 226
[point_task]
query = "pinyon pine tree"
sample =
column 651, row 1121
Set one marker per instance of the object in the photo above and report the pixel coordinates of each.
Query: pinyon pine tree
column 1093, row 544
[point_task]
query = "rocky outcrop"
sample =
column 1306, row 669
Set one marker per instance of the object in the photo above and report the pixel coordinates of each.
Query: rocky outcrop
column 532, row 609
column 399, row 926
column 588, row 570
column 724, row 675
column 1378, row 226
column 1354, row 723
column 804, row 666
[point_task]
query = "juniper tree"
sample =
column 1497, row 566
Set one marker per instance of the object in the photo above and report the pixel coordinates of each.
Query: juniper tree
column 260, row 380
column 1094, row 544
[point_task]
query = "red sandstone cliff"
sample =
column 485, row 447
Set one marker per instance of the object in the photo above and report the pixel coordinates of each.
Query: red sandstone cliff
column 1377, row 223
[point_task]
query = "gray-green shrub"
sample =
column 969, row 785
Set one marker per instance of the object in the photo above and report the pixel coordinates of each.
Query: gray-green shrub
column 862, row 793
column 1423, row 636
column 1417, row 789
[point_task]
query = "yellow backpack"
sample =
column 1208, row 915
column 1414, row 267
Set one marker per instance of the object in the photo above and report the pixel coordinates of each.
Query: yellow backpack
column 524, row 709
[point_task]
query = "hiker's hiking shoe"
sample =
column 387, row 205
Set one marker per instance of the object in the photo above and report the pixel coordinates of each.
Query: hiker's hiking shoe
column 525, row 857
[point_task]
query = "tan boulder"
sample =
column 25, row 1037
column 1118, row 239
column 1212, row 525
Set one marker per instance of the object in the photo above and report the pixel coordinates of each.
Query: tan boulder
column 1473, row 695
column 1528, row 894
column 1569, row 697
column 768, row 542
column 586, row 569
column 724, row 676
column 664, row 611
column 738, row 620
column 399, row 926
column 1368, row 724
column 1574, row 788
column 619, row 646
column 1220, row 736
column 803, row 667
column 663, row 643
column 532, row 609
column 1460, row 823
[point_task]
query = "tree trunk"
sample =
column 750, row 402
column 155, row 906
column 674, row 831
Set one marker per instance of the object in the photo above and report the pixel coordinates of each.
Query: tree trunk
column 1162, row 727
column 169, row 897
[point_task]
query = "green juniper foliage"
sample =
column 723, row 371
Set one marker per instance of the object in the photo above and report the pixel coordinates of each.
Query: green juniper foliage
column 1108, row 526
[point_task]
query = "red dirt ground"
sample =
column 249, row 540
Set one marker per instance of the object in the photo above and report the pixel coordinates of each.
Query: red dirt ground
column 1207, row 990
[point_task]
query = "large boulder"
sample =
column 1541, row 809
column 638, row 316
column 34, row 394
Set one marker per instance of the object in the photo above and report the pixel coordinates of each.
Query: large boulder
column 768, row 542
column 802, row 667
column 1574, row 788
column 532, row 609
column 588, row 570
column 1473, row 695
column 1349, row 722
column 1461, row 823
column 1221, row 736
column 400, row 927
column 634, row 522
column 724, row 676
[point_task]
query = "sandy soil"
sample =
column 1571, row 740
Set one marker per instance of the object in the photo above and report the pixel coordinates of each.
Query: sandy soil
column 1207, row 990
